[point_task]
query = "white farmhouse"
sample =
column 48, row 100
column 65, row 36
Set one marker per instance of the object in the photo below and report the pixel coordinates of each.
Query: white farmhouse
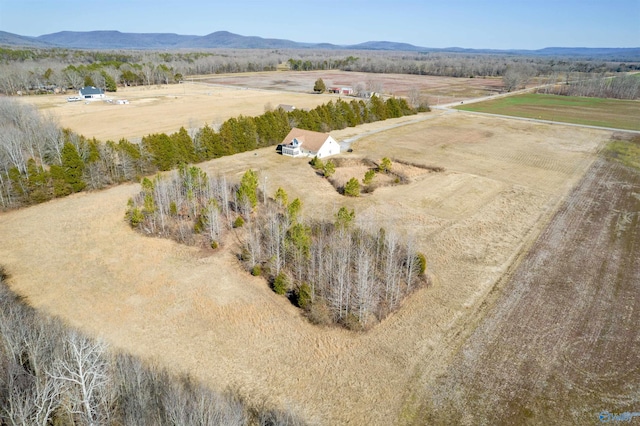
column 301, row 142
column 91, row 92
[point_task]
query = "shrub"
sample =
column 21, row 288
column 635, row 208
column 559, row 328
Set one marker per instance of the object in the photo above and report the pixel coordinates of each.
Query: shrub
column 351, row 322
column 385, row 165
column 239, row 222
column 316, row 163
column 256, row 271
column 281, row 284
column 214, row 244
column 136, row 217
column 422, row 263
column 319, row 313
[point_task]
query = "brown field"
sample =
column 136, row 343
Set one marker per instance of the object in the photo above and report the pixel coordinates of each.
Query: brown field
column 201, row 313
column 166, row 108
column 214, row 99
column 562, row 344
column 436, row 89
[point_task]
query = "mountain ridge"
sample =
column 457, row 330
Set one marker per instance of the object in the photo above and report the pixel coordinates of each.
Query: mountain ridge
column 112, row 39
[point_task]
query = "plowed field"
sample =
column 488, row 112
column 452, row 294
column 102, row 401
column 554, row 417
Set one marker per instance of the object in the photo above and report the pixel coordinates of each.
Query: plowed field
column 562, row 345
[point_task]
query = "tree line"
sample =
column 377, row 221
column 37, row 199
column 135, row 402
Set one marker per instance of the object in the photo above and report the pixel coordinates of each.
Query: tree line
column 51, row 374
column 337, row 272
column 599, row 86
column 28, row 71
column 31, row 70
column 40, row 161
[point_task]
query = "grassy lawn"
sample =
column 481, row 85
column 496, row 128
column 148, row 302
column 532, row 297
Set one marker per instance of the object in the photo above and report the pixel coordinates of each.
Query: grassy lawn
column 625, row 152
column 615, row 113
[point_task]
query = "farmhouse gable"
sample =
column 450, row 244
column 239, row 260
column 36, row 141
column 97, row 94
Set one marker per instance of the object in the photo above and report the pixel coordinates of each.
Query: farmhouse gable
column 301, row 142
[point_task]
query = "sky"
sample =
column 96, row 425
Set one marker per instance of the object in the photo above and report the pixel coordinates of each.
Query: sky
column 495, row 24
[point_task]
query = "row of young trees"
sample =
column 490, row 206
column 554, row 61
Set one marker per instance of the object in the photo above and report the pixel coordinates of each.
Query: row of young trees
column 40, row 161
column 337, row 272
column 51, row 374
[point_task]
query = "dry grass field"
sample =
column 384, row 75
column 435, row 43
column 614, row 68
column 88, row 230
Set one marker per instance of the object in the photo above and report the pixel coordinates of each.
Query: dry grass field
column 195, row 311
column 214, row 99
column 166, row 108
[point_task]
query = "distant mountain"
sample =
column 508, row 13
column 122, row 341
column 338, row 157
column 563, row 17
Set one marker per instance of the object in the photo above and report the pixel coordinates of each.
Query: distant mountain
column 225, row 39
column 388, row 45
column 9, row 39
column 115, row 40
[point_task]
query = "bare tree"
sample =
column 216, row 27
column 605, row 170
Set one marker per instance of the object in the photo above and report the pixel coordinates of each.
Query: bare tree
column 84, row 372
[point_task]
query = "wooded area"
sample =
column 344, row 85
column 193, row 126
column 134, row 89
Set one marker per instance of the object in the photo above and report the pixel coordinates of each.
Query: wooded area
column 335, row 271
column 28, row 71
column 53, row 374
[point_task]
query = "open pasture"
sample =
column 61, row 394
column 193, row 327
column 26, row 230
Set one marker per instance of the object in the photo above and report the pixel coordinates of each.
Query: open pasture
column 165, row 108
column 197, row 311
column 614, row 113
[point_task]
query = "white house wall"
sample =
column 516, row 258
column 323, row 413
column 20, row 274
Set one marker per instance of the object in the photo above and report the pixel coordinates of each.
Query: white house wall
column 329, row 147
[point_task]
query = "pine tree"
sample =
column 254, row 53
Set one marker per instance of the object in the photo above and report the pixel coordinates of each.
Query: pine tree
column 248, row 190
column 344, row 217
column 368, row 176
column 72, row 167
column 352, row 188
column 329, row 169
column 319, row 86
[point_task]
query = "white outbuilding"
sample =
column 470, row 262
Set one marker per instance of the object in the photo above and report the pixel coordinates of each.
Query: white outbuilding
column 91, row 92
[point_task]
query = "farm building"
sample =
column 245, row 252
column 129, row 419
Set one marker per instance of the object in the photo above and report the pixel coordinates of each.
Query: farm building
column 341, row 90
column 91, row 92
column 308, row 143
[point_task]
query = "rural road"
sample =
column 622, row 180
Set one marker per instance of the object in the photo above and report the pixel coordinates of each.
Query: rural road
column 449, row 106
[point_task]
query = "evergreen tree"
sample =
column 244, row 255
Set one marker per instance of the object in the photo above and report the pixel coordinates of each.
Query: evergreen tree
column 293, row 210
column 377, row 108
column 281, row 197
column 344, row 217
column 72, row 167
column 39, row 183
column 352, row 188
column 385, row 165
column 248, row 190
column 165, row 155
column 319, row 86
column 368, row 176
column 109, row 82
column 183, row 147
column 329, row 169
